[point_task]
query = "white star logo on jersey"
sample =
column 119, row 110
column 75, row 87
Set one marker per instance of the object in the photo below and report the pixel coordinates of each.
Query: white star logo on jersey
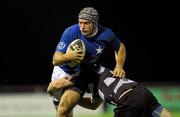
column 99, row 50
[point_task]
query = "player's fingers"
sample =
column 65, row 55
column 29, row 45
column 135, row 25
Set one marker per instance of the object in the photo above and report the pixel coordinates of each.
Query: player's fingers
column 80, row 57
column 68, row 83
column 78, row 60
column 60, row 83
column 71, row 47
column 119, row 74
column 122, row 74
column 114, row 74
column 80, row 51
column 56, row 85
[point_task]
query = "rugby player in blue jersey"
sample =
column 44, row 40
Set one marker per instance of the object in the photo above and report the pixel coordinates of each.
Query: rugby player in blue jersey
column 131, row 99
column 96, row 39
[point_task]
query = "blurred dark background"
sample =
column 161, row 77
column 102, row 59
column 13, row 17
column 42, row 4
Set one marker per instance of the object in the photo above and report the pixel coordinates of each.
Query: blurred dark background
column 31, row 31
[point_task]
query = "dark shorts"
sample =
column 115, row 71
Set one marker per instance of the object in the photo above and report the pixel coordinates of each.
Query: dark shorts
column 139, row 102
column 87, row 76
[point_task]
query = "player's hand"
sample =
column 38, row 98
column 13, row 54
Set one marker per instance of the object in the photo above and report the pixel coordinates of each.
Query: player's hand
column 119, row 72
column 62, row 82
column 76, row 55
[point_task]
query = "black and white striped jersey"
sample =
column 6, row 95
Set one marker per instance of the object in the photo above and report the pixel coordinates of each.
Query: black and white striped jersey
column 110, row 89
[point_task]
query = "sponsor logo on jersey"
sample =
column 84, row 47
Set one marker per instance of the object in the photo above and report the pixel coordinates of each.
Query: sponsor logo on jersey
column 61, row 45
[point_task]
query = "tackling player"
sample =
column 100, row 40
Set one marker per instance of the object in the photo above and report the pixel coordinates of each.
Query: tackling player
column 130, row 98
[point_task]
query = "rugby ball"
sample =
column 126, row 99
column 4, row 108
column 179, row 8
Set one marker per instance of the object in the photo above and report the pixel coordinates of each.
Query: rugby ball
column 75, row 45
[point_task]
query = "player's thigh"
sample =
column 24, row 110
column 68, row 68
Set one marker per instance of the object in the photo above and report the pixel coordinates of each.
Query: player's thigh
column 68, row 100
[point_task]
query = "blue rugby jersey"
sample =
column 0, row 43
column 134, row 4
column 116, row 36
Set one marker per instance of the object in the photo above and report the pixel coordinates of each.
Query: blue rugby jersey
column 105, row 38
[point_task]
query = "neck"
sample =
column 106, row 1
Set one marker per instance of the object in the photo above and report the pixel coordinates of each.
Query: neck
column 94, row 32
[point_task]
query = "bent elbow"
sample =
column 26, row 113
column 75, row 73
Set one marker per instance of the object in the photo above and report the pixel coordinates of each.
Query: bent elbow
column 55, row 62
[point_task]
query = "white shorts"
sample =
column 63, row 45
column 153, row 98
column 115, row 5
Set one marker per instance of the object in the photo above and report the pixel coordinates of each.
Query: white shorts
column 57, row 74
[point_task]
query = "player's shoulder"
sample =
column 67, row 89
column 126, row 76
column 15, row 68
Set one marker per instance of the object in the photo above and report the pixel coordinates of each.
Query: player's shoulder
column 73, row 27
column 105, row 30
column 72, row 30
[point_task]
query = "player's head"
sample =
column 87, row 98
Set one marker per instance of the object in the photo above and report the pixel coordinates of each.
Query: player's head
column 88, row 20
column 89, row 13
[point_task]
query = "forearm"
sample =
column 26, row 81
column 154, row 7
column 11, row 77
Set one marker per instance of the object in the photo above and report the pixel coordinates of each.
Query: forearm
column 89, row 103
column 120, row 56
column 59, row 58
column 59, row 83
